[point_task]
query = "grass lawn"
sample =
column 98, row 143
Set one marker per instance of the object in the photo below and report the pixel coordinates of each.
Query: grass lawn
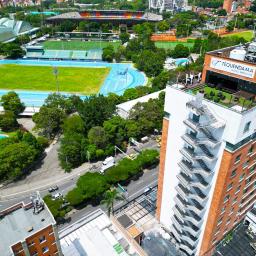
column 171, row 45
column 228, row 99
column 77, row 45
column 247, row 35
column 40, row 78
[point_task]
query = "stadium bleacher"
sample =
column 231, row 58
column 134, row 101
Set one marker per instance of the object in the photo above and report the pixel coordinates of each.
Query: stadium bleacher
column 94, row 54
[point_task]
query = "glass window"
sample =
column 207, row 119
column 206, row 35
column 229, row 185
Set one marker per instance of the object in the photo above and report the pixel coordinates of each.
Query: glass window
column 241, row 177
column 250, row 151
column 233, row 174
column 41, row 239
column 247, row 126
column 245, row 164
column 45, row 249
column 229, row 186
column 238, row 158
column 226, row 198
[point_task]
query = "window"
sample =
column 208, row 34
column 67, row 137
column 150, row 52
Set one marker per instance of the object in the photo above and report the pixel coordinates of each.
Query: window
column 231, row 211
column 195, row 118
column 219, row 221
column 223, row 209
column 234, row 201
column 245, row 191
column 250, row 151
column 34, row 253
column 45, row 249
column 238, row 158
column 233, row 174
column 229, row 186
column 238, row 189
column 245, row 164
column 247, row 126
column 248, row 181
column 228, row 221
column 241, row 177
column 251, row 170
column 31, row 243
column 41, row 239
column 226, row 198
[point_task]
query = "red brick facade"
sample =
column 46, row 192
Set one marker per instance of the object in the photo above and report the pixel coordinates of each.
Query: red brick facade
column 161, row 167
column 235, row 192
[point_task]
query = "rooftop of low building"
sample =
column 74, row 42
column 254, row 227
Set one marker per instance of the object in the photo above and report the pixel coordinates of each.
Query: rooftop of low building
column 19, row 222
column 243, row 52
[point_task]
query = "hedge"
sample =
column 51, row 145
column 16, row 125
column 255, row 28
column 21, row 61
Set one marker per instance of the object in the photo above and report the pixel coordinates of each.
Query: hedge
column 91, row 186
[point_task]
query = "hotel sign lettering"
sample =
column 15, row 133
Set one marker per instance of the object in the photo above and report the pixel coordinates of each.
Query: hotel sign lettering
column 233, row 67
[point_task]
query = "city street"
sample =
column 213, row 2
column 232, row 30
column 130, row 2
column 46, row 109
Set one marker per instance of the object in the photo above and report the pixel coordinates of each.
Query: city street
column 49, row 173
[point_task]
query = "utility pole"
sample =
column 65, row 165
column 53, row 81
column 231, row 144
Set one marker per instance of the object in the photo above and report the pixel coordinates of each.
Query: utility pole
column 56, row 72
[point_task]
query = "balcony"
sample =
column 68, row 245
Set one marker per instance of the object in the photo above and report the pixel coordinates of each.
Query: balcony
column 183, row 192
column 189, row 169
column 195, row 141
column 192, row 229
column 198, row 195
column 184, row 179
column 193, row 218
column 176, row 232
column 196, row 207
column 189, row 153
column 200, row 182
column 178, row 213
column 181, row 203
column 190, row 239
column 187, row 248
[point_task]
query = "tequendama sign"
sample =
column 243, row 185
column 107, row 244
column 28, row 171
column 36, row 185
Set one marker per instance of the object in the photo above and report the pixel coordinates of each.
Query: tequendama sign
column 233, row 67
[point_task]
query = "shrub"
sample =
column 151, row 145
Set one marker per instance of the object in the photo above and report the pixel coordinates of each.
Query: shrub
column 75, row 197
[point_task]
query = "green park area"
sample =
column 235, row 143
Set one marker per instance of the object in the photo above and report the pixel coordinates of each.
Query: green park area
column 41, row 78
column 171, row 45
column 247, row 35
column 78, row 45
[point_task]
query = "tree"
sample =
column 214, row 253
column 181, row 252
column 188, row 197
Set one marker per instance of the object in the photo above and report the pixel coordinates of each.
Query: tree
column 92, row 185
column 222, row 12
column 163, row 25
column 95, row 110
column 253, row 6
column 124, row 37
column 110, row 197
column 180, row 51
column 183, row 30
column 70, row 155
column 8, row 121
column 150, row 62
column 97, row 136
column 73, row 124
column 11, row 102
column 108, row 53
column 12, row 50
column 160, row 81
column 49, row 120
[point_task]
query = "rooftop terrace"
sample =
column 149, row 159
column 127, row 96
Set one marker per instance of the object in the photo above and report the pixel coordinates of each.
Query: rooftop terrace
column 239, row 101
column 20, row 223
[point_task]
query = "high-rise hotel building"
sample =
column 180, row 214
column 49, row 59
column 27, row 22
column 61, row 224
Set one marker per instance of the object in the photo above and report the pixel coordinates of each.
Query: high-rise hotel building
column 207, row 174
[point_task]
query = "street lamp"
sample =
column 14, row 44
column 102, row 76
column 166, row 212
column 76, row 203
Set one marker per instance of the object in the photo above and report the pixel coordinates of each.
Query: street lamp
column 55, row 73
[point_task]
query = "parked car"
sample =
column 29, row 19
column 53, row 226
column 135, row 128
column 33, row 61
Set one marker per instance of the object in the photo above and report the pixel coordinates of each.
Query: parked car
column 57, row 196
column 147, row 190
column 53, row 188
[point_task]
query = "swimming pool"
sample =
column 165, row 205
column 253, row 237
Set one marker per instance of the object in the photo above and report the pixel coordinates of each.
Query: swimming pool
column 181, row 61
column 2, row 136
column 121, row 77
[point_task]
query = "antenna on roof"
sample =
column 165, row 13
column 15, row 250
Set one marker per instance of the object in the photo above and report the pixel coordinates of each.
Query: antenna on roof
column 38, row 203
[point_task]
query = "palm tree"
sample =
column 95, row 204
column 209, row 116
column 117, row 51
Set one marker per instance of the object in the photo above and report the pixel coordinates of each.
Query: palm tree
column 110, row 197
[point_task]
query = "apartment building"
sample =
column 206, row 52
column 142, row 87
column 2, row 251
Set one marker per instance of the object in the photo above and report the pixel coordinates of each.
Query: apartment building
column 28, row 230
column 207, row 174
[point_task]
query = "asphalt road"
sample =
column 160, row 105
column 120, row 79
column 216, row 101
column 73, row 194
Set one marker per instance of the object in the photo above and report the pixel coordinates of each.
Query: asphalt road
column 50, row 173
column 134, row 189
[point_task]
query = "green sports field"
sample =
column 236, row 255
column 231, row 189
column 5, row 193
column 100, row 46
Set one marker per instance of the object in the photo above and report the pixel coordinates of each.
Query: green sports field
column 171, row 45
column 247, row 35
column 40, row 78
column 78, row 45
